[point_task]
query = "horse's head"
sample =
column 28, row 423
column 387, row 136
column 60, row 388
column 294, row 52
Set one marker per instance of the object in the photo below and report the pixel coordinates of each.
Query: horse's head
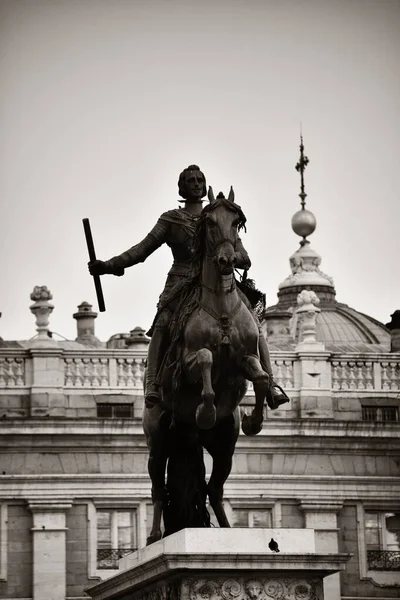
column 223, row 219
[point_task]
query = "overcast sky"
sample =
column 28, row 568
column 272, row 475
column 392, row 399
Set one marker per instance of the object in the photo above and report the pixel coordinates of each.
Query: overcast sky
column 103, row 103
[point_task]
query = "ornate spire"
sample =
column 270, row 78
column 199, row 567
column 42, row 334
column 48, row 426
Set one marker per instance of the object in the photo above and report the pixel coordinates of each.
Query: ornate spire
column 303, row 222
column 301, row 167
column 305, row 262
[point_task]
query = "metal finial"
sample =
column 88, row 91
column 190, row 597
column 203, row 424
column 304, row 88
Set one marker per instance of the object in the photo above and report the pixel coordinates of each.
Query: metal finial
column 300, row 167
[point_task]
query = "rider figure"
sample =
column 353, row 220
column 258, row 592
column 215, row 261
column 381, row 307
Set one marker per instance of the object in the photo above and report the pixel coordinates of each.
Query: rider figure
column 176, row 228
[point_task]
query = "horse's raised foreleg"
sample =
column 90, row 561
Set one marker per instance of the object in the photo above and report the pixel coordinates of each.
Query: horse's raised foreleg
column 206, row 413
column 253, row 371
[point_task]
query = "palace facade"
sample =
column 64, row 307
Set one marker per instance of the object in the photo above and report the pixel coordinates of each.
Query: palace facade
column 74, row 488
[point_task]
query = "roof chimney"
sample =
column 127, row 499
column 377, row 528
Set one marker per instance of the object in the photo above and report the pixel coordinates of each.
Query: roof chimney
column 138, row 339
column 394, row 327
column 85, row 325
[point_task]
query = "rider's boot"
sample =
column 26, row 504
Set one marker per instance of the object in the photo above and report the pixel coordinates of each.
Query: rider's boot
column 277, row 395
column 154, row 359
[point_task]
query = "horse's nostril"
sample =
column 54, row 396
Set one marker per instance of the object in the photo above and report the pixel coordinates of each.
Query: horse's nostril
column 223, row 261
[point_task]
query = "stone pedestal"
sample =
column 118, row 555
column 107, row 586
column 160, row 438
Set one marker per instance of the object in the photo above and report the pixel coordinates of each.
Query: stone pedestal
column 224, row 564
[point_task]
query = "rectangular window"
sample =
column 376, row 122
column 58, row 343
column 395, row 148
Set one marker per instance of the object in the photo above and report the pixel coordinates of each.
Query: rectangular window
column 115, row 411
column 382, row 537
column 249, row 517
column 380, row 413
column 116, row 536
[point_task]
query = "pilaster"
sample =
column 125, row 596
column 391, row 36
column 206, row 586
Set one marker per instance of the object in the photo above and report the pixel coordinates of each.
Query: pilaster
column 49, row 548
column 315, row 382
column 321, row 515
column 47, row 381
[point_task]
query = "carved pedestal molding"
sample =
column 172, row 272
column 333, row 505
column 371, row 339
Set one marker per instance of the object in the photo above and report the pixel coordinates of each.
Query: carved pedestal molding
column 221, row 564
column 49, row 548
column 321, row 515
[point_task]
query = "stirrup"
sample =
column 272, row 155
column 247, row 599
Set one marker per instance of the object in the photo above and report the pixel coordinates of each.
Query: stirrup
column 274, row 400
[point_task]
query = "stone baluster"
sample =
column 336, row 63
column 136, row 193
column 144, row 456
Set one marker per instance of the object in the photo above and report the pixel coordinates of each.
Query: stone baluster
column 2, row 373
column 95, row 372
column 10, row 373
column 335, row 375
column 68, row 372
column 121, row 372
column 352, row 376
column 78, row 377
column 137, row 373
column 288, row 378
column 368, row 376
column 129, row 372
column 394, row 376
column 343, row 376
column 384, row 375
column 85, row 372
column 360, row 376
column 278, row 372
column 19, row 371
column 104, row 372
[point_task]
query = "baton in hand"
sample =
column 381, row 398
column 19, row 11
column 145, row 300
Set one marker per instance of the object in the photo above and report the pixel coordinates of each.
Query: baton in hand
column 92, row 257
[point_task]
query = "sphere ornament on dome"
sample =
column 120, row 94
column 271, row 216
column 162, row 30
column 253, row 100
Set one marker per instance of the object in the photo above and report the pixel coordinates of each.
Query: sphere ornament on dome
column 304, row 222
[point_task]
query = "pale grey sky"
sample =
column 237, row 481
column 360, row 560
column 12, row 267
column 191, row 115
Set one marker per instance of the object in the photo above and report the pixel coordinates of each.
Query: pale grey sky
column 103, row 103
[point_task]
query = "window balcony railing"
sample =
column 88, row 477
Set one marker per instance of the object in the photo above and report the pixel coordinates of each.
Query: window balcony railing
column 107, row 558
column 383, row 560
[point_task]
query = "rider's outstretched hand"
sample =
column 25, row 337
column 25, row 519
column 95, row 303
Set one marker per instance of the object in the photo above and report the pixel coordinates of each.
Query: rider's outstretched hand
column 97, row 267
column 100, row 267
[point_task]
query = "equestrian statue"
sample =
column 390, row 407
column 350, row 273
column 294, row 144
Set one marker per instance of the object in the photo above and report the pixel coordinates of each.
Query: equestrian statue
column 206, row 343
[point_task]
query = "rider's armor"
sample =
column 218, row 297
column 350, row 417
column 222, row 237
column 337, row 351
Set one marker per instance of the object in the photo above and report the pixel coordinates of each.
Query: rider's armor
column 175, row 228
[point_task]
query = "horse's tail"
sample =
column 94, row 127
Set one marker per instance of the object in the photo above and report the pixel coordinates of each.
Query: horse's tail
column 185, row 504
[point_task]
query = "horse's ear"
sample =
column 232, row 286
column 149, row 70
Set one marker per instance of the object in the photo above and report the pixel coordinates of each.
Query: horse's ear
column 211, row 194
column 231, row 196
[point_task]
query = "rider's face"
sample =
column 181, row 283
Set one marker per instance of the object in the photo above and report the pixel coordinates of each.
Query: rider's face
column 194, row 181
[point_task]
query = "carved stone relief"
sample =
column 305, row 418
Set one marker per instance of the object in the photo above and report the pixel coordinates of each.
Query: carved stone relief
column 238, row 588
column 260, row 588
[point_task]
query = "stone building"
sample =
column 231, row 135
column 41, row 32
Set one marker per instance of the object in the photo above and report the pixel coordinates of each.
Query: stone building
column 74, row 489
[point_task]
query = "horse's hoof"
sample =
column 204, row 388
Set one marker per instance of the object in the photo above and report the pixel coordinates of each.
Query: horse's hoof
column 153, row 537
column 249, row 426
column 206, row 417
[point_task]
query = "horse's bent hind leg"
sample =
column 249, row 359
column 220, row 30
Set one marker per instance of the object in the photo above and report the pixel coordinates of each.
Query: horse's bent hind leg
column 251, row 366
column 206, row 413
column 156, row 425
column 220, row 443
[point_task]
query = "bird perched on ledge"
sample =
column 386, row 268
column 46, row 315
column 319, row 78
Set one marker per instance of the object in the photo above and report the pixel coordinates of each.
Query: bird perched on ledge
column 273, row 546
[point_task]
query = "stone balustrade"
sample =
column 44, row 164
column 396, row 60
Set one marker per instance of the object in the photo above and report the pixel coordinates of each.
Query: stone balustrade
column 124, row 369
column 364, row 374
column 12, row 369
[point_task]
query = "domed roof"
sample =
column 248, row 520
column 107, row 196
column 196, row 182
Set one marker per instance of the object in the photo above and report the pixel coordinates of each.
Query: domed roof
column 340, row 327
column 350, row 330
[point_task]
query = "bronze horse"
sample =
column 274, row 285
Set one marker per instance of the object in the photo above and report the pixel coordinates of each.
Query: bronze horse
column 214, row 352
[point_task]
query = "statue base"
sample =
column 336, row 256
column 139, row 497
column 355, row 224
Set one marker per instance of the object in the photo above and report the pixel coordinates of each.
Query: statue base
column 224, row 564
